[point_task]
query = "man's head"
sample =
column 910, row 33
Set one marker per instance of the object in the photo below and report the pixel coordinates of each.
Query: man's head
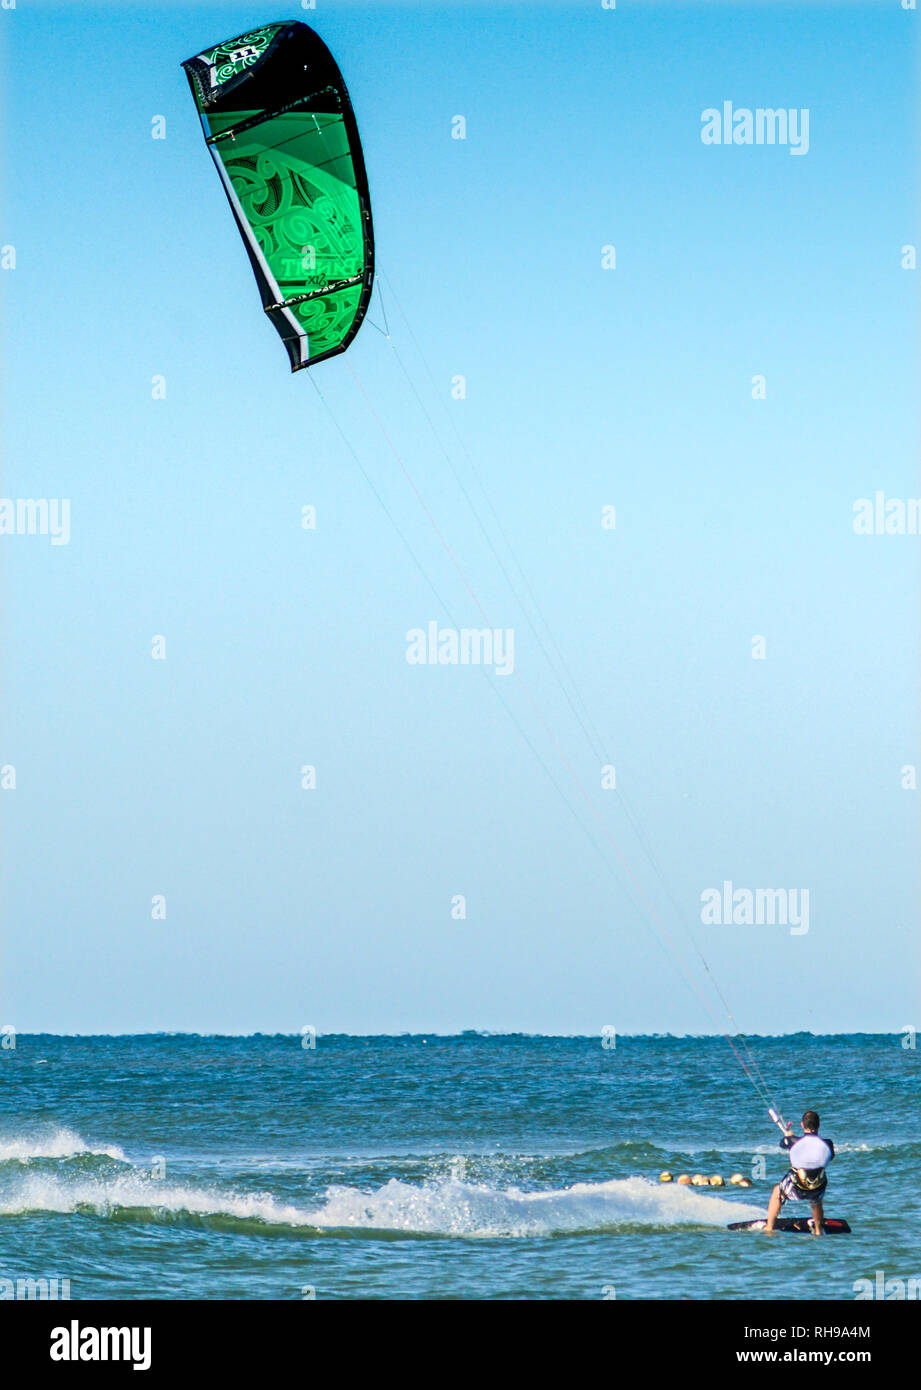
column 811, row 1122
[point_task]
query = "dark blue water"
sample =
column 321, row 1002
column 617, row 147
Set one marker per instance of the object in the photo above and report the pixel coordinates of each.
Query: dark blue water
column 431, row 1167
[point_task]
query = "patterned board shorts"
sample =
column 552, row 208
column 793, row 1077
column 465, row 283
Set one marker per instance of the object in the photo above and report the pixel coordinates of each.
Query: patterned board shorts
column 790, row 1190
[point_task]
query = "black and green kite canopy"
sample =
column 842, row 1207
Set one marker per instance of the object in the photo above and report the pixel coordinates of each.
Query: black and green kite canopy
column 279, row 124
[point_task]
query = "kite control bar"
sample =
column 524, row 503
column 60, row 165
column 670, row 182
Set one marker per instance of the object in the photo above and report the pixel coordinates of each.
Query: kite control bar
column 778, row 1120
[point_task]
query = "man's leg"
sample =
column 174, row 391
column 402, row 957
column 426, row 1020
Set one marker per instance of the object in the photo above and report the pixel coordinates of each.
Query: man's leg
column 773, row 1209
column 818, row 1219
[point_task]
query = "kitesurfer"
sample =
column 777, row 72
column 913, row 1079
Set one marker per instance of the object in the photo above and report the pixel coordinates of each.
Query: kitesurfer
column 807, row 1179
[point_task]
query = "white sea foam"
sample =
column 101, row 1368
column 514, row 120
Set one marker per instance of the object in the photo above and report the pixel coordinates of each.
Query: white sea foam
column 136, row 1192
column 450, row 1206
column 455, row 1207
column 54, row 1143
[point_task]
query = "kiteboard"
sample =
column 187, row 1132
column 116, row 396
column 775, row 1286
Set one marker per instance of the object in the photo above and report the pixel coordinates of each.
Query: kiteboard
column 832, row 1226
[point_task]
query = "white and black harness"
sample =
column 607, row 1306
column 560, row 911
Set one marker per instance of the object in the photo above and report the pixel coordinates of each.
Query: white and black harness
column 802, row 1183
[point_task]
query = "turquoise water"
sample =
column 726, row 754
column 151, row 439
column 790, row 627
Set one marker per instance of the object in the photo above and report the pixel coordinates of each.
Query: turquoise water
column 430, row 1167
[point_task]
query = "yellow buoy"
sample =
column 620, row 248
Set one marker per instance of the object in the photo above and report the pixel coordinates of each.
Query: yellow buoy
column 684, row 1180
column 665, row 1177
column 716, row 1181
column 737, row 1180
column 698, row 1181
column 746, row 1182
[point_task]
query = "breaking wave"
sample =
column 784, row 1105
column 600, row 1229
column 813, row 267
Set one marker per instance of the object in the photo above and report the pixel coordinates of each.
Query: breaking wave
column 447, row 1206
column 454, row 1207
column 55, row 1143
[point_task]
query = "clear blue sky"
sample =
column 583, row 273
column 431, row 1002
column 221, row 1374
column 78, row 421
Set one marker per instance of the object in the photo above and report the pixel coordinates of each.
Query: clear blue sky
column 586, row 387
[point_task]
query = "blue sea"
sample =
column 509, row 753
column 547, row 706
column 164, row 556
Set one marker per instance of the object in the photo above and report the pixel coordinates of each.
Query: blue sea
column 430, row 1167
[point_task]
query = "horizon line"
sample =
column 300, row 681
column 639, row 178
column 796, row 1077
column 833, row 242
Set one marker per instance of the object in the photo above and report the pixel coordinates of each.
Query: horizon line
column 434, row 1033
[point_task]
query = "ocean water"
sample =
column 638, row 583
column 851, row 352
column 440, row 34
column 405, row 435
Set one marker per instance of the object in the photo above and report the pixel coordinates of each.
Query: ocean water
column 481, row 1167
